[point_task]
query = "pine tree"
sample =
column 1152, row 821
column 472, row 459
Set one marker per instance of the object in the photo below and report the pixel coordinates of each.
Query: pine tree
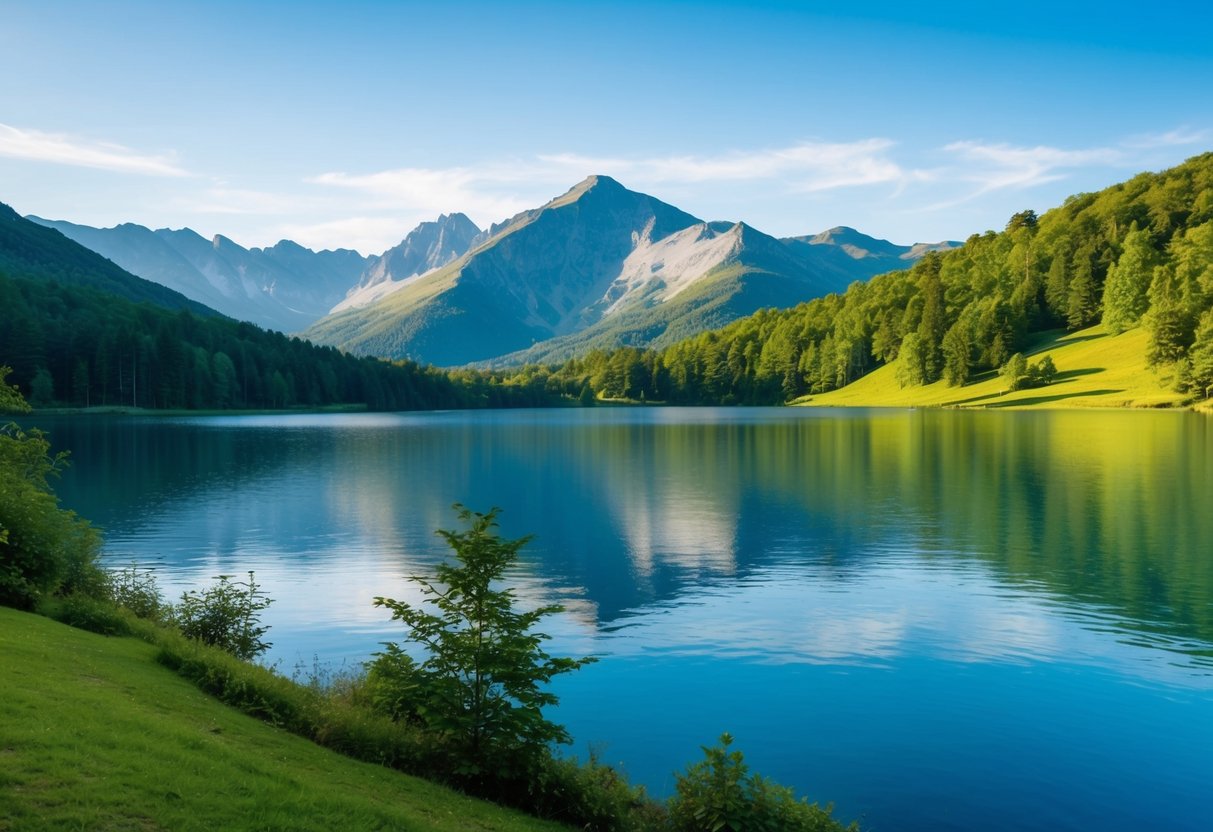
column 1125, row 297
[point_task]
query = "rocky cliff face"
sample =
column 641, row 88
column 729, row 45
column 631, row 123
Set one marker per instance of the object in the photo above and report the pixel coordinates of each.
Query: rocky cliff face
column 429, row 246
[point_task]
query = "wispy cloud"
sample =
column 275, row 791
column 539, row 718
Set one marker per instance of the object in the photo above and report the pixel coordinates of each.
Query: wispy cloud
column 504, row 187
column 997, row 166
column 491, row 191
column 1172, row 138
column 221, row 199
column 806, row 166
column 58, row 148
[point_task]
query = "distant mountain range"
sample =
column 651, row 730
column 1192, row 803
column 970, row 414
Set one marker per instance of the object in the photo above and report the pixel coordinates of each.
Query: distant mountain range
column 600, row 266
column 285, row 287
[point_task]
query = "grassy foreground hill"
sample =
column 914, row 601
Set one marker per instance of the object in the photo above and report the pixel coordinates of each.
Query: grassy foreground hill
column 1095, row 369
column 95, row 735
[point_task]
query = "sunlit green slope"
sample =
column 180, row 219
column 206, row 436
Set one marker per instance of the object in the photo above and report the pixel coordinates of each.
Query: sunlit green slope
column 1094, row 370
column 95, row 735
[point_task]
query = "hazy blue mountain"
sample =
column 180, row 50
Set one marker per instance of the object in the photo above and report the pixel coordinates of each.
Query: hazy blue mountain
column 852, row 255
column 284, row 287
column 598, row 266
column 429, row 246
column 29, row 250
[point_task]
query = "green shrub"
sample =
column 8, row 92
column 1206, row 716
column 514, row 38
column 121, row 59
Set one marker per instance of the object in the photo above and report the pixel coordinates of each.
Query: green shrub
column 592, row 796
column 226, row 615
column 358, row 732
column 134, row 588
column 1043, row 373
column 86, row 612
column 393, row 684
column 719, row 794
column 43, row 548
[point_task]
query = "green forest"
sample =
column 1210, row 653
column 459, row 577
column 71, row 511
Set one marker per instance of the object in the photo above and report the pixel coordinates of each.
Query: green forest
column 76, row 346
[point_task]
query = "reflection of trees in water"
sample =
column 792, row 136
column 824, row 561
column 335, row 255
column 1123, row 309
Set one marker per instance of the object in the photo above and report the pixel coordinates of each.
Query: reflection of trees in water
column 632, row 507
column 1108, row 508
column 123, row 465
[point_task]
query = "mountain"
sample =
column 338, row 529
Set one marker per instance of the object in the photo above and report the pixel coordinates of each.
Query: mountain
column 31, row 251
column 599, row 266
column 1128, row 271
column 284, row 287
column 852, row 255
column 429, row 246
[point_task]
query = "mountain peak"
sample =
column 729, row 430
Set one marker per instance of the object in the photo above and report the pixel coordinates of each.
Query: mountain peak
column 596, row 183
column 601, row 179
column 431, row 245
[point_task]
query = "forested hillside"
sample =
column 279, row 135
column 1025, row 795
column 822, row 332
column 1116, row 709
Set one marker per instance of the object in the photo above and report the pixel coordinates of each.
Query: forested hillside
column 69, row 345
column 77, row 330
column 30, row 250
column 1136, row 254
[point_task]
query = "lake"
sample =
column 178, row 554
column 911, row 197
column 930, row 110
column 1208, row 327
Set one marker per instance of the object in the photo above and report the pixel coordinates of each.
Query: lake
column 937, row 620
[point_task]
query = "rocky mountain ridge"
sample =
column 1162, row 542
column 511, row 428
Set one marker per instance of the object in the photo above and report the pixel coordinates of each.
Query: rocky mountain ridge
column 598, row 266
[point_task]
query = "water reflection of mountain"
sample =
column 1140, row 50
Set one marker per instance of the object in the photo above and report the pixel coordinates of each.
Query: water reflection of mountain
column 636, row 508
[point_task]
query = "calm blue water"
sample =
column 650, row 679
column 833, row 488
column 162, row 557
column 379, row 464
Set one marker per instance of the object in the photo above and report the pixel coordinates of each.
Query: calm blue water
column 936, row 620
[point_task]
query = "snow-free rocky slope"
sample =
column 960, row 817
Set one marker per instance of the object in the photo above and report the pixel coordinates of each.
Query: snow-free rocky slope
column 429, row 246
column 284, row 287
column 599, row 266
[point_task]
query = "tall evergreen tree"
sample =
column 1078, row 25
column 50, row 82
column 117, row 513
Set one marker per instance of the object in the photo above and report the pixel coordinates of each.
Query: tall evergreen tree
column 1126, row 292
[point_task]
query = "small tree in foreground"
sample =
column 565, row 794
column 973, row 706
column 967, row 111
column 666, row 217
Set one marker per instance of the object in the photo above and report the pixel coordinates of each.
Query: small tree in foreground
column 479, row 685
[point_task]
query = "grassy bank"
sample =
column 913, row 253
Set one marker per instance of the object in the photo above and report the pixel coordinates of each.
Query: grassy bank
column 94, row 734
column 1094, row 370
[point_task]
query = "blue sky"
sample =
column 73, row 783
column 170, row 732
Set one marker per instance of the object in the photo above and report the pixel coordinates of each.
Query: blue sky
column 346, row 124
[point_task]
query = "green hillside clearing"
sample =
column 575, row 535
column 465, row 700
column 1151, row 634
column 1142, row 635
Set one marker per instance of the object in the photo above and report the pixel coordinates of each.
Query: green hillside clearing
column 95, row 735
column 1094, row 370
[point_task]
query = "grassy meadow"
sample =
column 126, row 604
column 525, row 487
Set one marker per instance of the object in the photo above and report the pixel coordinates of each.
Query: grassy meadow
column 95, row 735
column 1095, row 369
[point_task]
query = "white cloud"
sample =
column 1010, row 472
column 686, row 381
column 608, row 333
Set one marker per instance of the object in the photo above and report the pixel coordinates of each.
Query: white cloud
column 997, row 166
column 489, row 193
column 1172, row 138
column 500, row 189
column 61, row 149
column 807, row 166
column 220, row 199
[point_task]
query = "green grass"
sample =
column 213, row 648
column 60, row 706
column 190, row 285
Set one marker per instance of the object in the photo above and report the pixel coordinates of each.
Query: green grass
column 95, row 735
column 1095, row 369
